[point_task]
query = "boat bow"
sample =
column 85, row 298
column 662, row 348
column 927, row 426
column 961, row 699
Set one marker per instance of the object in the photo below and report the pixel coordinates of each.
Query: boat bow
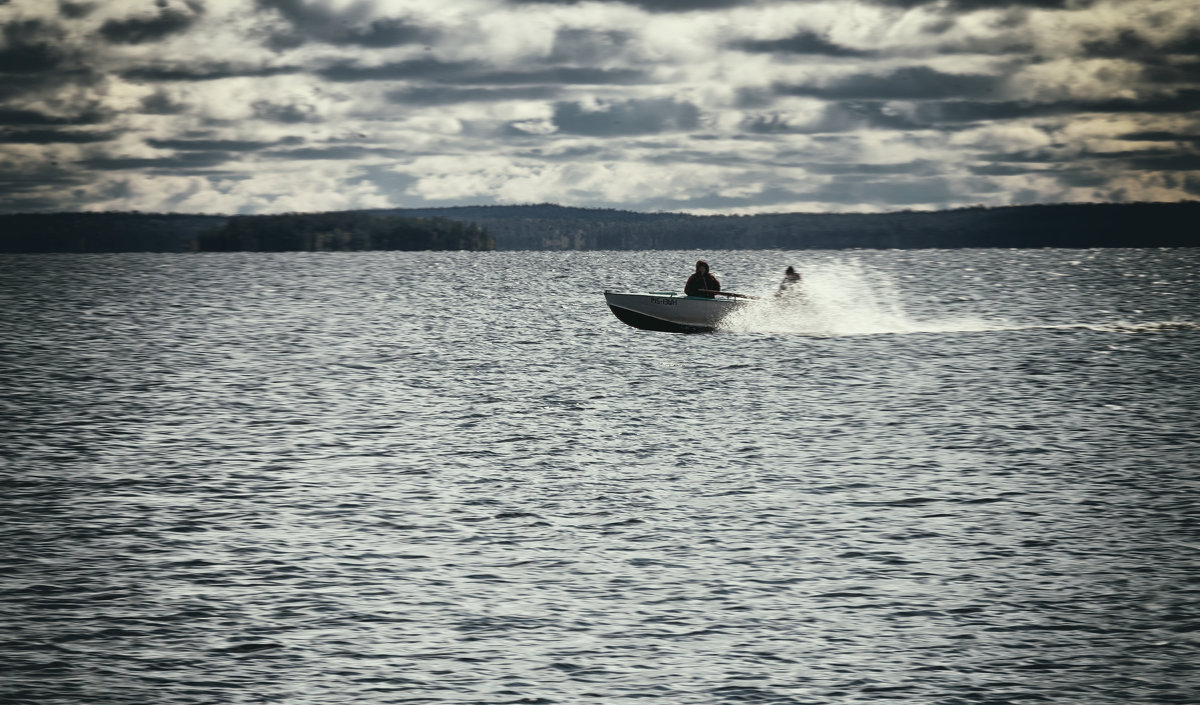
column 669, row 312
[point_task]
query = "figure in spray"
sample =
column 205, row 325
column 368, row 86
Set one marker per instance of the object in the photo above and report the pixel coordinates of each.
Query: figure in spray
column 790, row 283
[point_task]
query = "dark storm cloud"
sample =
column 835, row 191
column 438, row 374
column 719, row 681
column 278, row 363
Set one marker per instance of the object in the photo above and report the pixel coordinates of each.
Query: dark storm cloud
column 803, row 43
column 633, row 117
column 206, row 145
column 1003, row 170
column 36, row 63
column 204, row 72
column 912, row 83
column 1035, row 156
column 376, row 35
column 334, row 153
column 1183, row 101
column 34, row 117
column 385, row 33
column 44, row 63
column 973, row 5
column 49, row 84
column 21, row 184
column 289, row 114
column 1188, row 44
column 565, row 75
column 446, row 95
column 1162, row 161
column 184, row 160
column 843, row 116
column 313, row 21
column 75, row 10
column 949, row 5
column 39, row 189
column 1173, row 62
column 750, row 98
column 1129, row 44
column 1171, row 73
column 476, row 74
column 159, row 103
column 151, row 28
column 29, row 58
column 31, row 46
column 1086, row 162
column 917, row 167
column 1077, row 177
column 1140, row 159
column 46, row 136
column 963, row 111
column 651, row 5
column 421, row 69
column 1191, row 184
column 1160, row 136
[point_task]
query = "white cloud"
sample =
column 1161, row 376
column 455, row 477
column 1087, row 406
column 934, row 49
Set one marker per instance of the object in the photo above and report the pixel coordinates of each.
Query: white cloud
column 522, row 181
column 1071, row 79
column 296, row 188
column 1018, row 137
column 700, row 122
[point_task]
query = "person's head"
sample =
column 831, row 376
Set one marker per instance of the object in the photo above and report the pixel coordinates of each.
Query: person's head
column 790, row 270
column 702, row 267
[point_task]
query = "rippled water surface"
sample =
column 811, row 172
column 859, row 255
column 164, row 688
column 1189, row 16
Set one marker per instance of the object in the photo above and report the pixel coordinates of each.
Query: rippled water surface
column 944, row 477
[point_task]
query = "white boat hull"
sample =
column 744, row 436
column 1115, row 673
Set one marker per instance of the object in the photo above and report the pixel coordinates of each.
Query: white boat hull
column 670, row 312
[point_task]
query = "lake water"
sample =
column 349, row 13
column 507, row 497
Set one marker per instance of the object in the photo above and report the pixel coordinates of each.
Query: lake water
column 949, row 477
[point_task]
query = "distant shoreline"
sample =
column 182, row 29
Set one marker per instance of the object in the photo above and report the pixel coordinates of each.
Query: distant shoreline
column 552, row 227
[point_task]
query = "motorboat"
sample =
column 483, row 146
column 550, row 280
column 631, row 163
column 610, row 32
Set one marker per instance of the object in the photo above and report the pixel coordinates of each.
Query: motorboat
column 671, row 312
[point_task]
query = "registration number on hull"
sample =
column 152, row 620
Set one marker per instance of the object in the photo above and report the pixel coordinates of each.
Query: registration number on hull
column 662, row 302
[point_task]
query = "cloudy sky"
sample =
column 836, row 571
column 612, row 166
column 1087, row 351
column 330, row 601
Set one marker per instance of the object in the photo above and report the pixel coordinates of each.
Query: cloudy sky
column 705, row 106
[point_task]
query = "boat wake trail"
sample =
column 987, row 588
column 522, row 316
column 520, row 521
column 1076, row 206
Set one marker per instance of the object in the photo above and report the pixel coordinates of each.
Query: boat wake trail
column 1118, row 327
column 848, row 299
column 841, row 299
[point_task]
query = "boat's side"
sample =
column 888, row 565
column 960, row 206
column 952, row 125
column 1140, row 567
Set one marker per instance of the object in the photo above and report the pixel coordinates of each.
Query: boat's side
column 669, row 313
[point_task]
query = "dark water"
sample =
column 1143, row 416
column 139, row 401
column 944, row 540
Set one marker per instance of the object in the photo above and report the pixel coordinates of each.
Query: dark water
column 950, row 477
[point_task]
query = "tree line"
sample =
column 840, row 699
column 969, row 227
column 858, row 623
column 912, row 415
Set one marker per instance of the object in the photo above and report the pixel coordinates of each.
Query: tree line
column 552, row 227
column 103, row 232
column 341, row 232
column 549, row 227
column 308, row 232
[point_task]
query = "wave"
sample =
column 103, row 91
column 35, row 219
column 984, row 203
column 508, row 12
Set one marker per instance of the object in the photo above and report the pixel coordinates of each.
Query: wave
column 1115, row 327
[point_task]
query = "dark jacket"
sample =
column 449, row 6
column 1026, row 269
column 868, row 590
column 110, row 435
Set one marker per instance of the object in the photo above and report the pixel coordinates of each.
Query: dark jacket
column 699, row 281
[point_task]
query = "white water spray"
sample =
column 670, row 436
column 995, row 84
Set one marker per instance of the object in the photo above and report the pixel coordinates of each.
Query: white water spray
column 841, row 299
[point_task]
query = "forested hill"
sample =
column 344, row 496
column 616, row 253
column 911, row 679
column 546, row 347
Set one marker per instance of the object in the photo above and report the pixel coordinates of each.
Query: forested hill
column 147, row 232
column 103, row 232
column 346, row 231
column 550, row 227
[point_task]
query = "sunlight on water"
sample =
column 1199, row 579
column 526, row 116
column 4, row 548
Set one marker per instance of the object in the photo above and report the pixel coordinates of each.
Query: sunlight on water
column 448, row 478
column 841, row 299
column 1117, row 327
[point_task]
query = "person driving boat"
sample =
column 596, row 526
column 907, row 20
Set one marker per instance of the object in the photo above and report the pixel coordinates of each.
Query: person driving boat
column 701, row 283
